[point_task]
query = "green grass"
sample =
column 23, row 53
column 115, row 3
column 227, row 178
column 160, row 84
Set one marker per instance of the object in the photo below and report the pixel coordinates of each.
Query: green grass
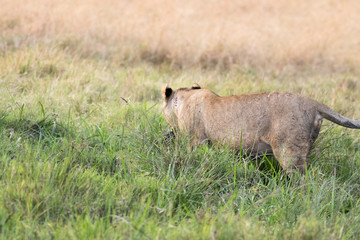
column 79, row 162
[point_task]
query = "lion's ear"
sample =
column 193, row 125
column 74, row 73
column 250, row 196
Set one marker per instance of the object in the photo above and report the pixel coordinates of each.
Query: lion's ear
column 166, row 91
column 195, row 86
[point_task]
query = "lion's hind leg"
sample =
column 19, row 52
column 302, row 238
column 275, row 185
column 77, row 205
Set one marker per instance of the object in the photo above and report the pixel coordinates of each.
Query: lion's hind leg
column 292, row 146
column 292, row 156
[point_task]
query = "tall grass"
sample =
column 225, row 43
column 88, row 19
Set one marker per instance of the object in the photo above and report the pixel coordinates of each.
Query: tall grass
column 274, row 36
column 77, row 161
column 75, row 179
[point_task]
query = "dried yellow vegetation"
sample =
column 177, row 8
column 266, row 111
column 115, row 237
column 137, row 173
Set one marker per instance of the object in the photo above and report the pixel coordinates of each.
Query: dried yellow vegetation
column 273, row 35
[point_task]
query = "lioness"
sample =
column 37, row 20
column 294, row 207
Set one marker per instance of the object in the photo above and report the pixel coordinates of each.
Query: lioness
column 284, row 124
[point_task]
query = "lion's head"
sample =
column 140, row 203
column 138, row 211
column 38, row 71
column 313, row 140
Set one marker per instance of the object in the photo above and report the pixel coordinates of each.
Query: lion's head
column 173, row 102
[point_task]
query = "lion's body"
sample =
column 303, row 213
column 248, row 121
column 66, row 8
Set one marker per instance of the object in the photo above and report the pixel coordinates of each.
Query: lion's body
column 284, row 124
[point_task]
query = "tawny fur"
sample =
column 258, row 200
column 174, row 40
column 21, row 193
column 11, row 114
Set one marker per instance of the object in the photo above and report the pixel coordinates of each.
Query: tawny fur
column 284, row 124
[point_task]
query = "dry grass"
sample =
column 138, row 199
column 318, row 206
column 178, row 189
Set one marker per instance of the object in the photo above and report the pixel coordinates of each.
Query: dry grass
column 274, row 35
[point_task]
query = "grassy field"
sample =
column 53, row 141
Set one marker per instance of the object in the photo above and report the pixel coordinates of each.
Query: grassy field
column 81, row 129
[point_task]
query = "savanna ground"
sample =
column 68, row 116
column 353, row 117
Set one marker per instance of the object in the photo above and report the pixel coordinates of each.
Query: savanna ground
column 81, row 130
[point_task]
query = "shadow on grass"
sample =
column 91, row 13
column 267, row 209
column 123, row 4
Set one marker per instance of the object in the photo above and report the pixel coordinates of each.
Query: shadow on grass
column 266, row 163
column 47, row 128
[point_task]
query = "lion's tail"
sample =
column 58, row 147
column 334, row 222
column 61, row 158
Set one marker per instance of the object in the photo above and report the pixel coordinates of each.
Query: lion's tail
column 335, row 117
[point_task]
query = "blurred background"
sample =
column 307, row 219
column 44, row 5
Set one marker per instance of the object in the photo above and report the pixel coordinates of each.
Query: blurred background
column 270, row 35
